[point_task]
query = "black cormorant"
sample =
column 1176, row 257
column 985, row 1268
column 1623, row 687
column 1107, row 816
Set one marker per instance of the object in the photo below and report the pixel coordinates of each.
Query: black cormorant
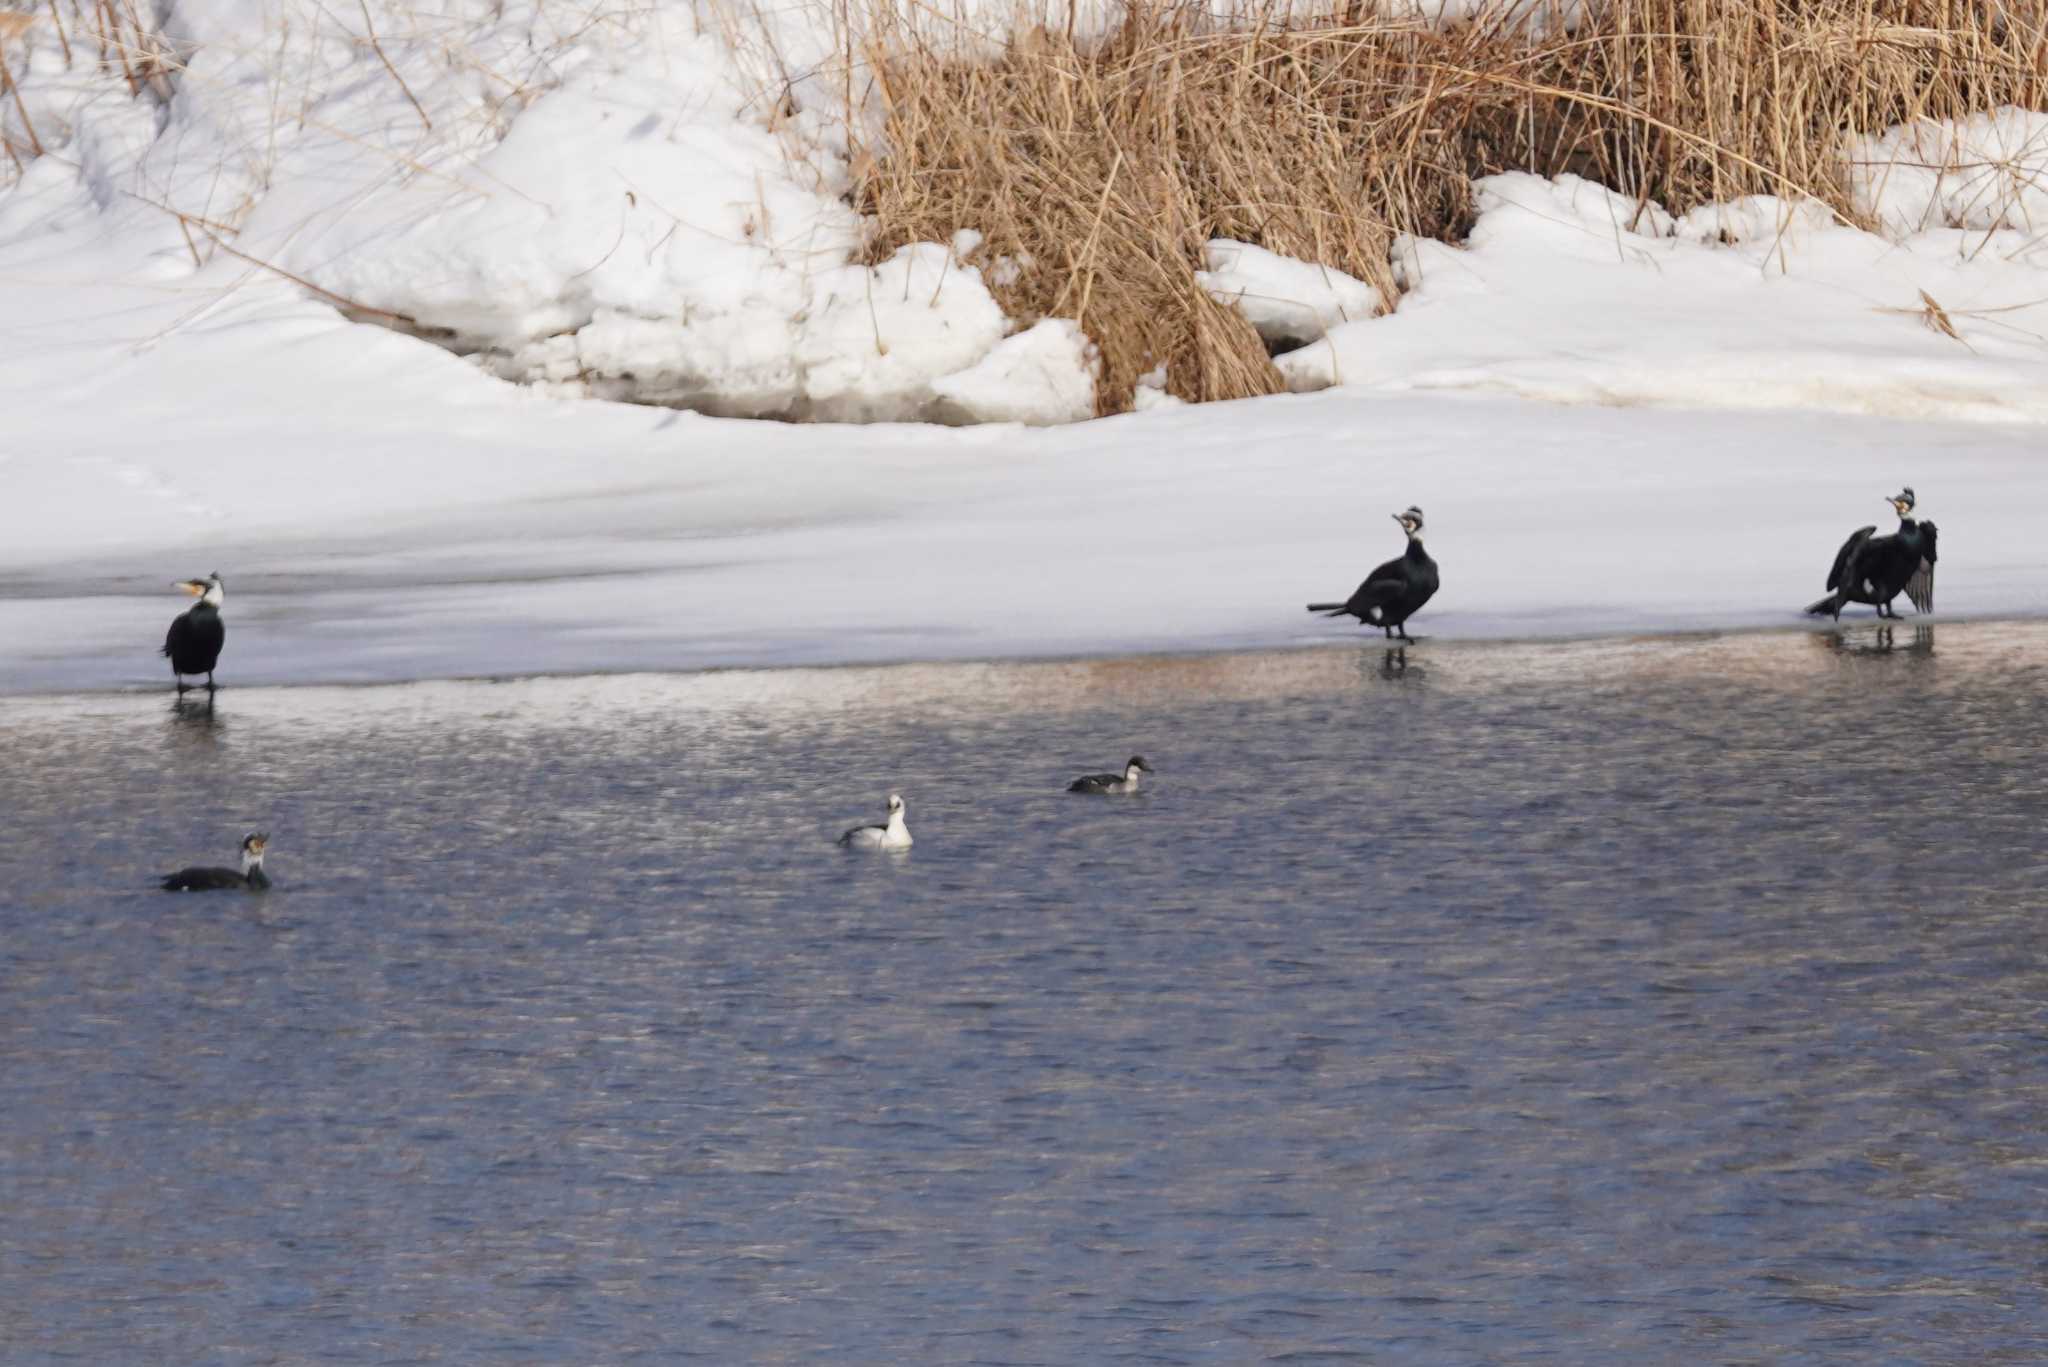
column 1126, row 782
column 194, row 640
column 1392, row 593
column 250, row 877
column 890, row 835
column 1876, row 569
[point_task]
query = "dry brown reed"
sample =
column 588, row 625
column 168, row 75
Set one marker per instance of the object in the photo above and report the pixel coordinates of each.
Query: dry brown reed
column 1097, row 169
column 125, row 39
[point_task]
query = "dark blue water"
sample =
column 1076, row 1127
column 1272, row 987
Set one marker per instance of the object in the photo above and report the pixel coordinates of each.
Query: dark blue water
column 1599, row 1003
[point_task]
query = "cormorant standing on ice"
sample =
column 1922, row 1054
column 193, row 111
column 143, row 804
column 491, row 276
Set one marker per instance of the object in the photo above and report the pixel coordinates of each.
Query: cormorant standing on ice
column 194, row 640
column 251, row 876
column 1876, row 569
column 1126, row 782
column 1392, row 593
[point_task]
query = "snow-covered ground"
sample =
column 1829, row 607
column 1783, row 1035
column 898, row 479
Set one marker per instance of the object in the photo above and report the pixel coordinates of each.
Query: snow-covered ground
column 409, row 518
column 1569, row 292
column 1616, row 420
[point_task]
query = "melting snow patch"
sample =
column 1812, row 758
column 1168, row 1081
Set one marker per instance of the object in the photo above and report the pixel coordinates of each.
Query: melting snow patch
column 1988, row 171
column 1042, row 376
column 1288, row 302
column 1567, row 292
column 875, row 339
column 614, row 210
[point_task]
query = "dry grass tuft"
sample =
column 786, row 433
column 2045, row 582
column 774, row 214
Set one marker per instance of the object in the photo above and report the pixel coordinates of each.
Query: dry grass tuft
column 125, row 39
column 13, row 24
column 1099, row 174
column 1937, row 317
column 1097, row 170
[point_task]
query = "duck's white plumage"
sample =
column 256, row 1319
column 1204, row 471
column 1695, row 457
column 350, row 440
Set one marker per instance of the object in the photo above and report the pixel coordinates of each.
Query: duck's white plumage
column 891, row 835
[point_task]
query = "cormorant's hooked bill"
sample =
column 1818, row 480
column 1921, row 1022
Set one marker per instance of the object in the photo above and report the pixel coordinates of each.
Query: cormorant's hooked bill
column 1876, row 569
column 193, row 643
column 249, row 877
column 890, row 835
column 1396, row 590
column 1125, row 782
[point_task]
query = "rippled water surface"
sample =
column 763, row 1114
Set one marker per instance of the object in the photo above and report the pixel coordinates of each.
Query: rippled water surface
column 1599, row 1003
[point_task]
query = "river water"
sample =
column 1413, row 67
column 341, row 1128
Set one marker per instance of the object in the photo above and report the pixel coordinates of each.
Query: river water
column 1608, row 1002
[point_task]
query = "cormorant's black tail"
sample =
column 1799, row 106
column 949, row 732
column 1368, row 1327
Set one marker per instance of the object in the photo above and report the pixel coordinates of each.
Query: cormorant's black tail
column 1830, row 606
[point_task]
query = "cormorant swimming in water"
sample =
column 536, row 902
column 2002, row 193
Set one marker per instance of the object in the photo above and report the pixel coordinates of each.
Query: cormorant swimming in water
column 1392, row 593
column 891, row 835
column 1126, row 782
column 194, row 640
column 1876, row 569
column 251, row 875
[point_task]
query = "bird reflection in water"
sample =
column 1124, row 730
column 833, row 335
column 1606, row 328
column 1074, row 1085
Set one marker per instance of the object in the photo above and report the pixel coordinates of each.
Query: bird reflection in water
column 1393, row 664
column 193, row 715
column 1881, row 639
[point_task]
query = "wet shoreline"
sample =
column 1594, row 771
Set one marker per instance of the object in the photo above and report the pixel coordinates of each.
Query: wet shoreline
column 1862, row 634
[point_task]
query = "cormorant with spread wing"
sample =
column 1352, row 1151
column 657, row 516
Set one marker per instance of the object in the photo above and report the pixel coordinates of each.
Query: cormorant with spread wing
column 194, row 640
column 1876, row 569
column 1392, row 593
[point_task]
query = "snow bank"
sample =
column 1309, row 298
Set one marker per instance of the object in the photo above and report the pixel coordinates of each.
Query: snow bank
column 873, row 341
column 1986, row 172
column 1043, row 376
column 605, row 210
column 626, row 208
column 639, row 233
column 1289, row 302
column 1570, row 293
